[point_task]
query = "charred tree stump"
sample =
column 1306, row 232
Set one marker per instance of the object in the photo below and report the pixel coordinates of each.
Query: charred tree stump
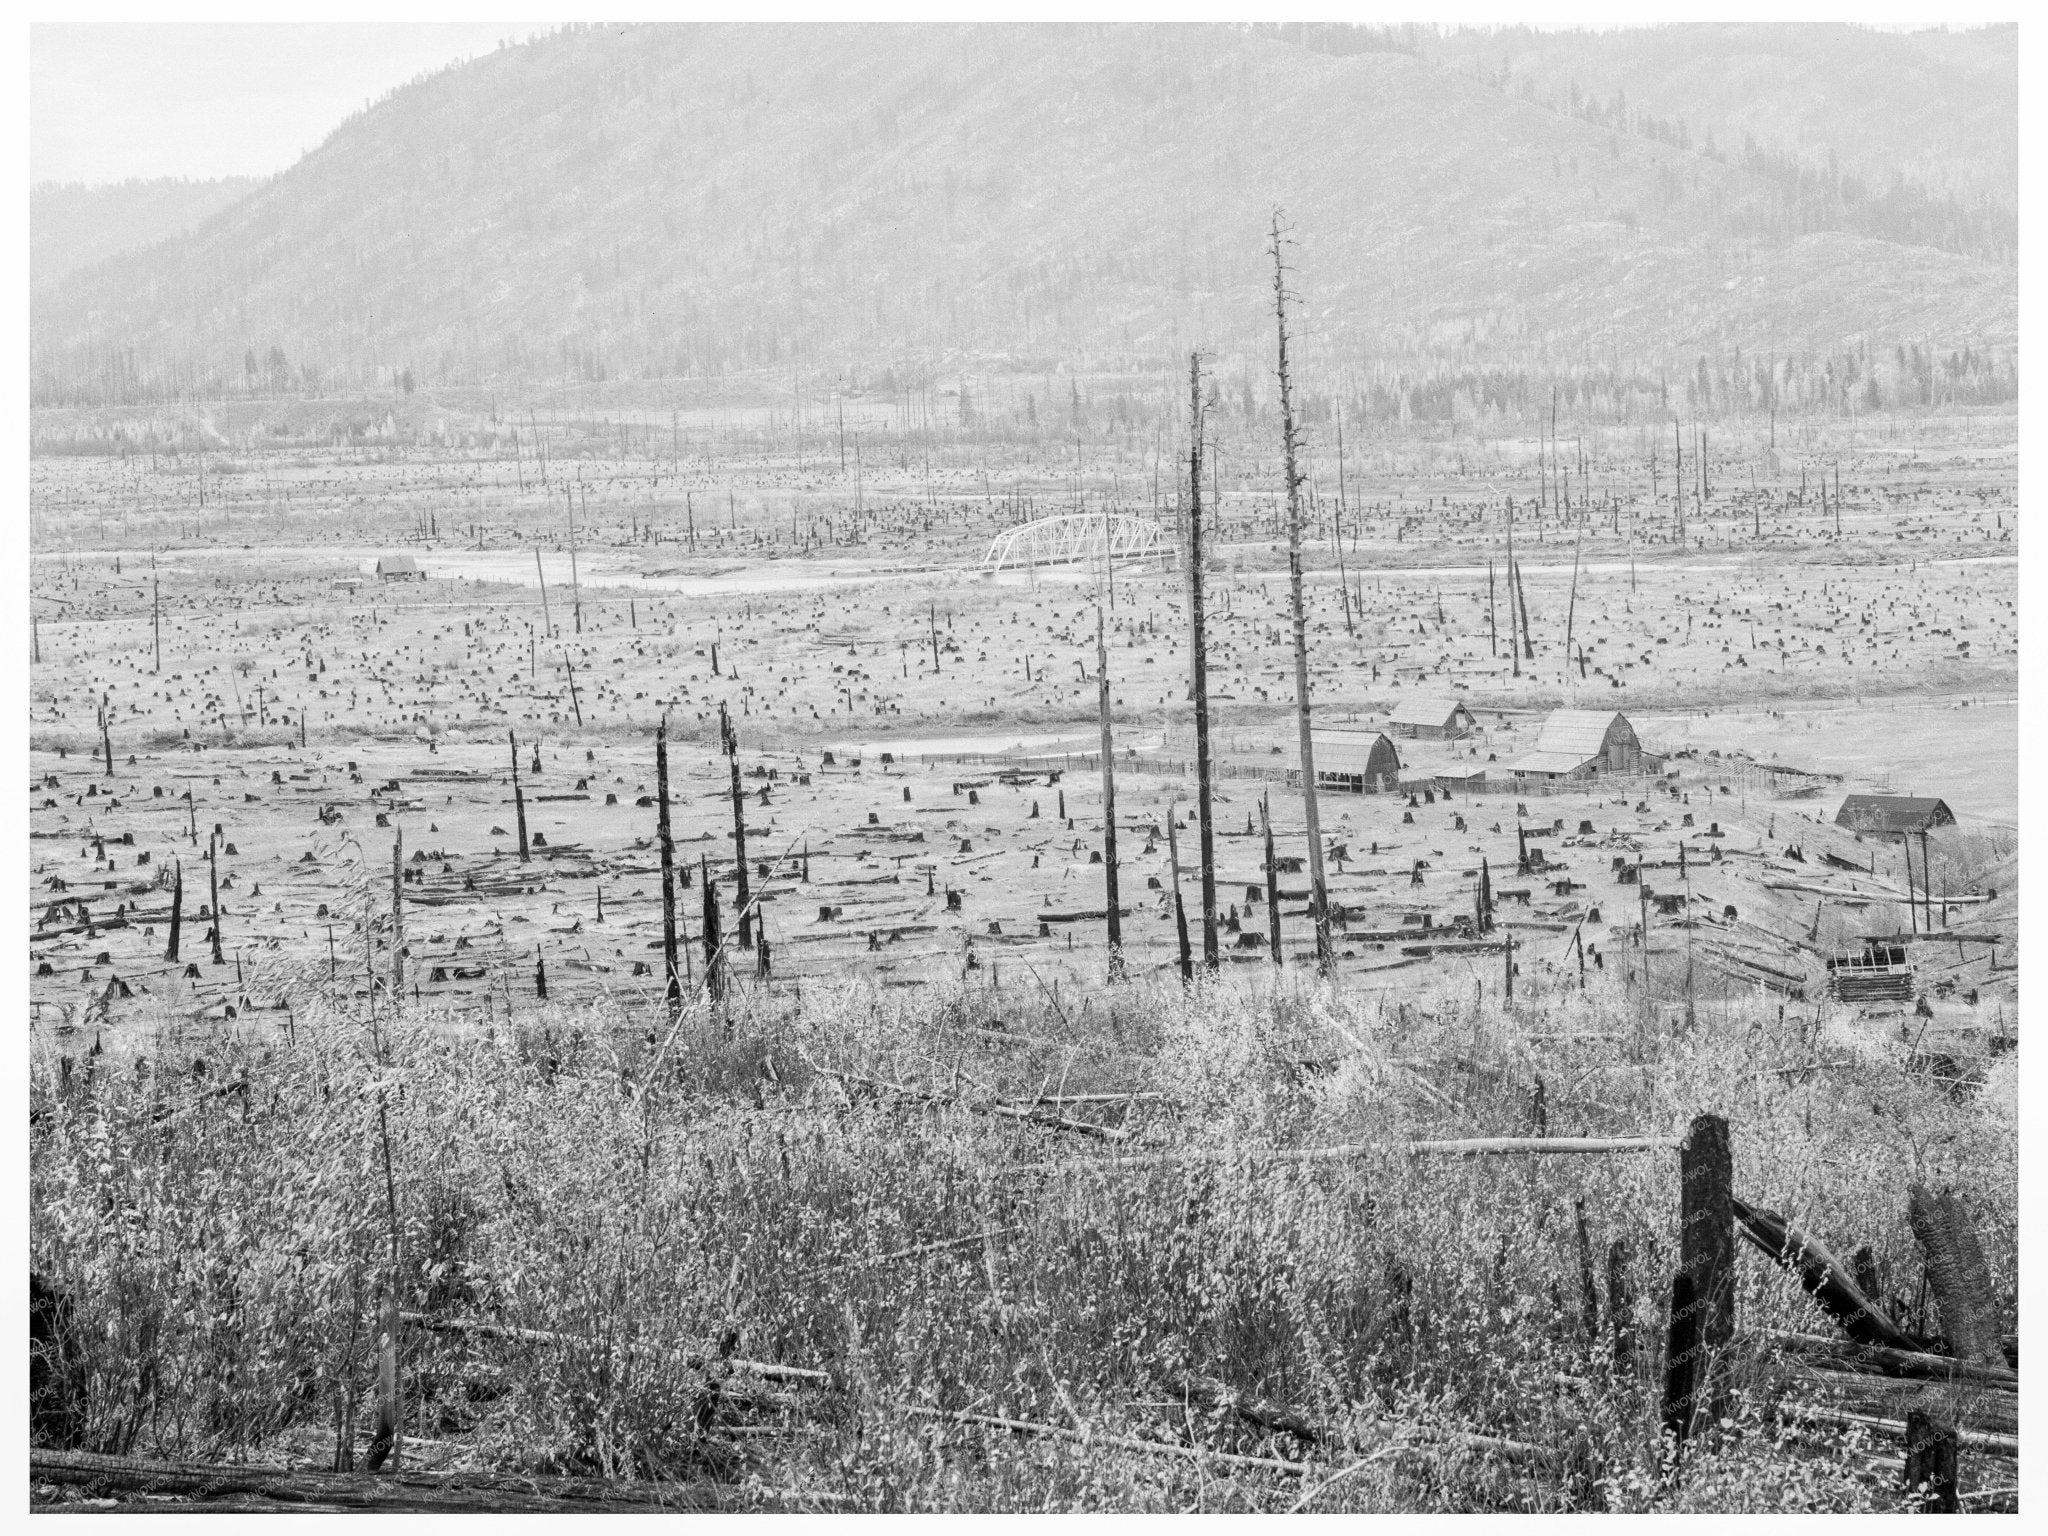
column 1931, row 1462
column 1703, row 1292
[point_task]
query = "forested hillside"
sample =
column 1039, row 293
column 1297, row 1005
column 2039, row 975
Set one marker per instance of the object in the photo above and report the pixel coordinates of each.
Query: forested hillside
column 686, row 201
column 71, row 226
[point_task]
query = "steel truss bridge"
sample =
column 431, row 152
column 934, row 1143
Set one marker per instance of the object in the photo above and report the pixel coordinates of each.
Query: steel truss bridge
column 1078, row 538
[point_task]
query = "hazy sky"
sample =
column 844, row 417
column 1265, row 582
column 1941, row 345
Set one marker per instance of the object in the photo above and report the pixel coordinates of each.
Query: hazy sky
column 108, row 101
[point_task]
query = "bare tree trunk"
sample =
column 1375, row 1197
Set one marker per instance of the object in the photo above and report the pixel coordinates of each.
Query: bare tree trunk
column 714, row 958
column 1272, row 882
column 731, row 743
column 1113, row 917
column 1514, row 646
column 1289, row 439
column 1180, row 911
column 671, row 981
column 1199, row 661
column 213, row 869
column 1572, row 607
column 177, row 910
column 397, row 911
column 519, row 798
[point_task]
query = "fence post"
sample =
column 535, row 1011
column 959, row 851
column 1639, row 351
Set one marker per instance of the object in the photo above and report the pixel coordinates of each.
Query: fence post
column 1703, row 1291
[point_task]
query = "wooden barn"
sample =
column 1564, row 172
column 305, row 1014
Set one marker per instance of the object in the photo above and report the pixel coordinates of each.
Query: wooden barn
column 399, row 568
column 1432, row 718
column 1360, row 762
column 1893, row 815
column 1581, row 743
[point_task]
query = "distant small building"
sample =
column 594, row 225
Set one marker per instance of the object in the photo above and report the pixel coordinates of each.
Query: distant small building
column 1582, row 743
column 1360, row 762
column 1893, row 815
column 400, row 568
column 1432, row 718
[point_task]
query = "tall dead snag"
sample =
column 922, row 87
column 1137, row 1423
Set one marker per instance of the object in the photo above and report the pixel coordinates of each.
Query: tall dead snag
column 397, row 910
column 731, row 743
column 1113, row 917
column 1492, row 631
column 1522, row 601
column 213, row 868
column 1571, row 611
column 714, row 950
column 1703, row 1290
column 519, row 799
column 672, row 982
column 1212, row 958
column 1514, row 648
column 106, row 721
column 177, row 910
column 1272, row 882
column 156, row 616
column 1180, row 911
column 575, row 584
column 1290, row 438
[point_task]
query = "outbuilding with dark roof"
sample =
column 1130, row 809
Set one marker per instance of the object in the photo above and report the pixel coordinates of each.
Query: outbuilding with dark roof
column 1893, row 815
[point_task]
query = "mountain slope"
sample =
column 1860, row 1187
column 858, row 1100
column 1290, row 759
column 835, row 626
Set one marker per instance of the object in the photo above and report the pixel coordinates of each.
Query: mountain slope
column 1939, row 107
column 684, row 200
column 71, row 226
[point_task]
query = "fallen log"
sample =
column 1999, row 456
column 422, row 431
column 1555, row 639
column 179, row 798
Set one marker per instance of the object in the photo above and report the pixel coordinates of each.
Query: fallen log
column 1824, row 1276
column 1976, row 1439
column 1881, row 1360
column 766, row 1370
column 1480, row 1146
column 1003, row 1111
column 1118, row 1442
column 426, row 1492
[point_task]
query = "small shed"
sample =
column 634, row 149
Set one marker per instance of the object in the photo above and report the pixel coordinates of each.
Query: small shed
column 1893, row 815
column 399, row 568
column 1359, row 762
column 1579, row 743
column 1432, row 717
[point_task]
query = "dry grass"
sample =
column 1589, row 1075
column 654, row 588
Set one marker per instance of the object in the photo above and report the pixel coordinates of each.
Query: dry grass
column 557, row 1172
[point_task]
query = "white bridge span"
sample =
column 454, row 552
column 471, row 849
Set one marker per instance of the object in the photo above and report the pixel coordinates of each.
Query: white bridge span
column 1076, row 538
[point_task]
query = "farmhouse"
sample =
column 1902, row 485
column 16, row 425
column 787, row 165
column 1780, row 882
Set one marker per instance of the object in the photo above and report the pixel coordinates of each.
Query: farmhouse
column 1357, row 761
column 400, row 568
column 1893, row 815
column 1432, row 718
column 1580, row 743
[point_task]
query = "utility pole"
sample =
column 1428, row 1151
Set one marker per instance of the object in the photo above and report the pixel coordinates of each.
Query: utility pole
column 1289, row 438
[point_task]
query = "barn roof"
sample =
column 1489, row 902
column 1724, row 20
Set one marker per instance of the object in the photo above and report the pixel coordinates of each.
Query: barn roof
column 1428, row 709
column 398, row 565
column 1582, row 731
column 1893, row 813
column 1333, row 746
column 1541, row 761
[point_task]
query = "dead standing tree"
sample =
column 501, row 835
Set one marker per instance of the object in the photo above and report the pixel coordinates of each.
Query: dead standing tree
column 1290, row 439
column 730, row 742
column 671, row 981
column 1113, row 917
column 519, row 799
column 1212, row 959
